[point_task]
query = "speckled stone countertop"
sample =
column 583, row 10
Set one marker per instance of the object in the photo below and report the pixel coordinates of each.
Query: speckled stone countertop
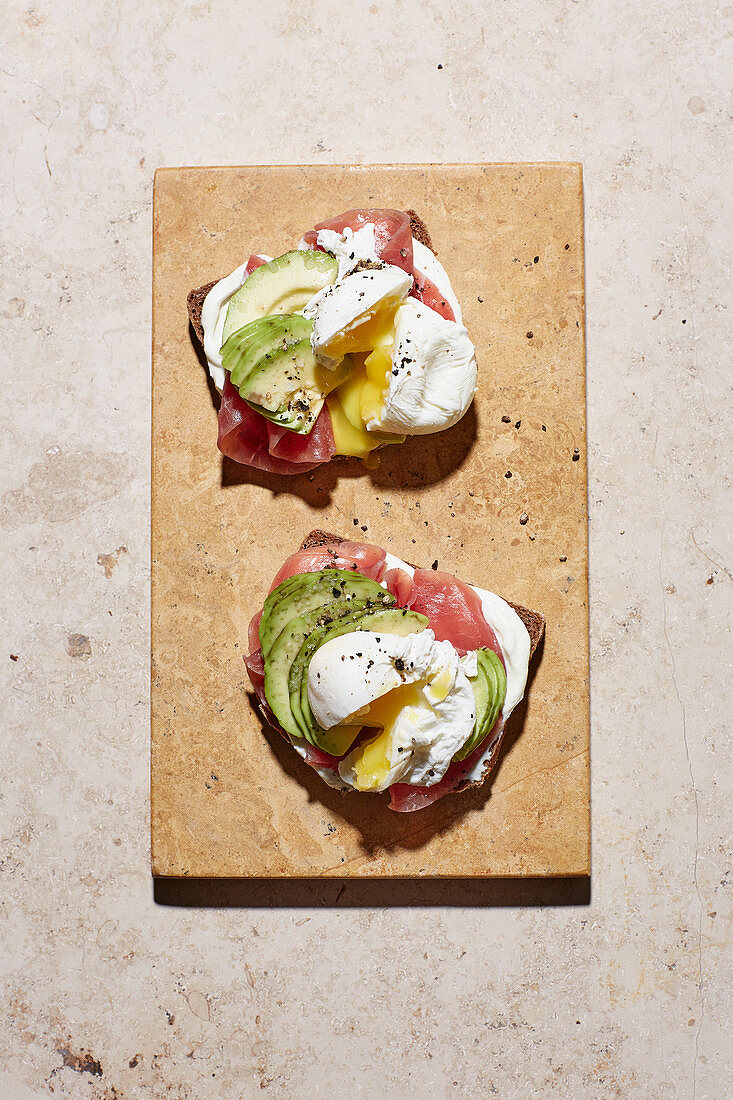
column 527, row 990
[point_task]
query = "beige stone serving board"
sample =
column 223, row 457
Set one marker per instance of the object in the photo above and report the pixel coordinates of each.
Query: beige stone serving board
column 231, row 798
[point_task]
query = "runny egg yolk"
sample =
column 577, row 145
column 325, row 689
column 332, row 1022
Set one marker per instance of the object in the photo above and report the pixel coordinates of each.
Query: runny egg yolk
column 371, row 761
column 361, row 396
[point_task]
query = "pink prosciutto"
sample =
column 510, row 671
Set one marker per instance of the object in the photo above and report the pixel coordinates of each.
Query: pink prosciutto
column 317, row 758
column 399, row 583
column 426, row 291
column 393, row 236
column 249, row 438
column 358, row 556
column 255, row 666
column 454, row 610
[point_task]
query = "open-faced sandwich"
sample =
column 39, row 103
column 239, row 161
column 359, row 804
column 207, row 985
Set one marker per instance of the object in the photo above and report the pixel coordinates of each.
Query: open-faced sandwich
column 385, row 677
column 351, row 341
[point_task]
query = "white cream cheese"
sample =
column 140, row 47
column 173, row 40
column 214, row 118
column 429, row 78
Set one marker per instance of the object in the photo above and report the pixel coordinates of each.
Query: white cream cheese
column 213, row 316
column 350, row 247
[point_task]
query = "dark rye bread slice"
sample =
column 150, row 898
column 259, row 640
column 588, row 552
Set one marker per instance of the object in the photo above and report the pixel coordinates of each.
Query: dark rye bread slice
column 195, row 299
column 195, row 303
column 533, row 620
column 420, row 230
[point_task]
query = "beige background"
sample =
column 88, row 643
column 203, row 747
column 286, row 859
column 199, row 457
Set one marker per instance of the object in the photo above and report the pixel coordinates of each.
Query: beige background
column 217, row 540
column 491, row 993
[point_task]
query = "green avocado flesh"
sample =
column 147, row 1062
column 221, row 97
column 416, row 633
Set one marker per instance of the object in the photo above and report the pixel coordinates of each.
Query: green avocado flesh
column 285, row 649
column 283, row 285
column 301, row 614
column 272, row 364
column 289, row 386
column 489, row 689
column 249, row 345
column 306, row 591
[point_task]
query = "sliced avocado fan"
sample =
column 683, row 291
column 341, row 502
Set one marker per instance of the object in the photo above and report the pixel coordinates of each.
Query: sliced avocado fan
column 489, row 689
column 299, row 616
column 283, row 285
column 305, row 591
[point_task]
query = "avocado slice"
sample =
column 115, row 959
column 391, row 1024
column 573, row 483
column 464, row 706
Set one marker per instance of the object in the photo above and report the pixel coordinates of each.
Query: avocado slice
column 391, row 620
column 289, row 386
column 255, row 341
column 290, row 600
column 286, row 648
column 298, row 675
column 489, row 689
column 284, row 285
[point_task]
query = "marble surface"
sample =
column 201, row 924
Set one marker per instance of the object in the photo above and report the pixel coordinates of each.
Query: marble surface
column 110, row 991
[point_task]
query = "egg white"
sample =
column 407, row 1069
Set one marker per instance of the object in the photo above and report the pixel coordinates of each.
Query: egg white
column 433, row 377
column 352, row 671
column 352, row 301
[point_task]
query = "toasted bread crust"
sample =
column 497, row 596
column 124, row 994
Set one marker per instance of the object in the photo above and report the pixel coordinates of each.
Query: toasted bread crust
column 195, row 303
column 420, row 230
column 196, row 297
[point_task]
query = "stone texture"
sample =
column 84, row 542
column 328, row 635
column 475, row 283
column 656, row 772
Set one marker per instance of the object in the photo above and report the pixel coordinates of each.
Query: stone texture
column 308, row 990
column 222, row 803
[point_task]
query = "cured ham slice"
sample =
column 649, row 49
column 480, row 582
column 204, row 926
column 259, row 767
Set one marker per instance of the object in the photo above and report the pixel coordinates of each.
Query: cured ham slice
column 317, row 446
column 255, row 666
column 404, row 798
column 426, row 291
column 399, row 583
column 317, row 758
column 249, row 438
column 392, row 233
column 253, row 632
column 359, row 556
column 256, row 671
column 454, row 610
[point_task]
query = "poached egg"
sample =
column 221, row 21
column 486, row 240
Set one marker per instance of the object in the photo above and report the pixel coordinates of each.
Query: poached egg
column 342, row 313
column 433, row 374
column 414, row 691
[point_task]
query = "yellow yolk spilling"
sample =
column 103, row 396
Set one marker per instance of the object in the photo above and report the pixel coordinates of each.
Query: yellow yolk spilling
column 372, row 760
column 361, row 396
